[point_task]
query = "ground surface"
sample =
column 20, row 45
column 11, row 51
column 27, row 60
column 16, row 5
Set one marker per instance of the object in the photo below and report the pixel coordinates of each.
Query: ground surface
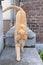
column 29, row 57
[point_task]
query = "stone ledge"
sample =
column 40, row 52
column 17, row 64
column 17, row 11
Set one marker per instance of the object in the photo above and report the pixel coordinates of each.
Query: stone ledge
column 29, row 57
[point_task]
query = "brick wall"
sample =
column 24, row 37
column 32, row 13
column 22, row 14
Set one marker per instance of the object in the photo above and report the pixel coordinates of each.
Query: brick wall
column 34, row 11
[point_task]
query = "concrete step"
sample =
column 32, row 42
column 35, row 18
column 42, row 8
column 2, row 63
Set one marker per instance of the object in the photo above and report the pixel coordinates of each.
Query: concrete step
column 10, row 42
column 29, row 57
column 29, row 42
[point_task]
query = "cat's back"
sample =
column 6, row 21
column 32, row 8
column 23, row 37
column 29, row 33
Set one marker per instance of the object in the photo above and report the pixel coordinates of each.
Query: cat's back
column 21, row 13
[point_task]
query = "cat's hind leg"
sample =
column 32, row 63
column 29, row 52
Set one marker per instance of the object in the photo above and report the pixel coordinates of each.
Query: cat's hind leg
column 17, row 47
column 22, row 46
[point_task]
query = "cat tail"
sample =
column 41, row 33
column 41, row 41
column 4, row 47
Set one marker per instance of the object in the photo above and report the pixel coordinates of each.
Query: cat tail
column 12, row 7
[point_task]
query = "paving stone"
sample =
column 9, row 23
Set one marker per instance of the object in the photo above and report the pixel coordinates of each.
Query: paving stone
column 29, row 57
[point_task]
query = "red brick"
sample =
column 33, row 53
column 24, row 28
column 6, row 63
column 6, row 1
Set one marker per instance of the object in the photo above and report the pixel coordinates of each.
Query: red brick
column 41, row 2
column 37, row 2
column 38, row 8
column 41, row 8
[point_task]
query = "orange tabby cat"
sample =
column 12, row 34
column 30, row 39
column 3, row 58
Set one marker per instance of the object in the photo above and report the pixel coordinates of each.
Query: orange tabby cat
column 20, row 35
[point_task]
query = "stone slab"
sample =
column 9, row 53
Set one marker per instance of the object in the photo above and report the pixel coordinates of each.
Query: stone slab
column 10, row 37
column 29, row 57
column 1, row 30
column 1, row 44
column 10, row 42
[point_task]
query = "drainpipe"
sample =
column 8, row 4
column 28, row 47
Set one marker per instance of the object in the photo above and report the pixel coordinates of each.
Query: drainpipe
column 12, row 13
column 20, row 2
column 0, row 2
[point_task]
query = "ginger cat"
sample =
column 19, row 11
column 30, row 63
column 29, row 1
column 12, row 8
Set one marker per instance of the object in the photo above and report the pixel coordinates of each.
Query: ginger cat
column 20, row 34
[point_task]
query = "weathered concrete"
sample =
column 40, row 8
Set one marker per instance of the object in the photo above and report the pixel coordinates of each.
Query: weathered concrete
column 29, row 57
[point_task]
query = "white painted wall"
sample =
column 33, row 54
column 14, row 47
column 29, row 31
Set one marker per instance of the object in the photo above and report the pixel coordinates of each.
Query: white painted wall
column 6, row 15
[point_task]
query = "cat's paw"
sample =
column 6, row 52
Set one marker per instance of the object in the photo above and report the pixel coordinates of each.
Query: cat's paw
column 18, row 59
